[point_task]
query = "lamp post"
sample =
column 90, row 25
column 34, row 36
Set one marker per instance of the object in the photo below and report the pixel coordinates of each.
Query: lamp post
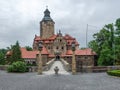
column 73, row 59
column 40, row 46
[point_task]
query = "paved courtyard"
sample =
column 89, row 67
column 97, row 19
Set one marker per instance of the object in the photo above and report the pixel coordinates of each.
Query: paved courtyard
column 32, row 81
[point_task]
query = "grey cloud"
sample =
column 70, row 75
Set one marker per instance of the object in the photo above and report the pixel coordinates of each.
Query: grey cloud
column 19, row 19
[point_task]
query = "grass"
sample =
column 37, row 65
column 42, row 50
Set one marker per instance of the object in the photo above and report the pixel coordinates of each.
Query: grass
column 114, row 73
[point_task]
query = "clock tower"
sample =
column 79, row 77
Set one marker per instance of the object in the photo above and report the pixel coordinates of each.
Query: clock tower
column 46, row 25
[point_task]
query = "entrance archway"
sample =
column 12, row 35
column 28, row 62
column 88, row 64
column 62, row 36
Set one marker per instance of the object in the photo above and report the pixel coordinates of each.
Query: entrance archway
column 57, row 58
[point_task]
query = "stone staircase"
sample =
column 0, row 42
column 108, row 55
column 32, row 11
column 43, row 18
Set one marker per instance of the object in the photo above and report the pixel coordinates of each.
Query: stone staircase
column 61, row 65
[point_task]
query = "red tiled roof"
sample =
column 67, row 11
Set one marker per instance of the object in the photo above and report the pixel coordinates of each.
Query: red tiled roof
column 29, row 54
column 69, row 42
column 44, row 51
column 67, row 36
column 32, row 54
column 51, row 55
column 49, row 40
column 37, row 38
column 81, row 52
column 87, row 51
column 69, row 52
column 52, row 37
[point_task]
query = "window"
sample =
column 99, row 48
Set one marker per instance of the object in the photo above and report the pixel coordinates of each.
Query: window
column 62, row 47
column 79, row 57
column 48, row 47
column 33, row 63
column 86, row 57
column 57, row 47
column 60, row 40
column 51, row 47
column 67, row 57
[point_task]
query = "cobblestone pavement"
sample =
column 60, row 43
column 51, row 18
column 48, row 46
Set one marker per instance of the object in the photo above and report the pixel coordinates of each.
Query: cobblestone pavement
column 32, row 81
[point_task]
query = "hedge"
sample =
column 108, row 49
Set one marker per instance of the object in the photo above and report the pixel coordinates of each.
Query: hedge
column 114, row 73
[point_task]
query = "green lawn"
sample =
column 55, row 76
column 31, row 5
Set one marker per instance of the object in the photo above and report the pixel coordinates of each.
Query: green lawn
column 114, row 73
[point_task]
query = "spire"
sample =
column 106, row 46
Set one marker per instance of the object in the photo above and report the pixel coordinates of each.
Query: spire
column 47, row 15
column 59, row 34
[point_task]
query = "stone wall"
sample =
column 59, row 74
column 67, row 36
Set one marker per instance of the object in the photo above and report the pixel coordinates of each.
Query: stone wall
column 3, row 67
column 99, row 68
column 44, row 59
column 46, row 29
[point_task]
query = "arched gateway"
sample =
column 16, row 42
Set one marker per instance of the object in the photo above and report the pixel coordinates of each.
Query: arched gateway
column 57, row 55
column 57, row 58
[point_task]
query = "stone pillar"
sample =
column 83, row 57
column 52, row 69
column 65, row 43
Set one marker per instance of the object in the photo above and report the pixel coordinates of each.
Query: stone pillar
column 40, row 63
column 73, row 64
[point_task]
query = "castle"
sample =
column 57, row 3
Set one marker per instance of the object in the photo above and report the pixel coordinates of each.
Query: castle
column 57, row 46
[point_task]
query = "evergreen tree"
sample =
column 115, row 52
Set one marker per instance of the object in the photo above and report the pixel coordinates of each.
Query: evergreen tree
column 28, row 48
column 16, row 53
column 2, row 56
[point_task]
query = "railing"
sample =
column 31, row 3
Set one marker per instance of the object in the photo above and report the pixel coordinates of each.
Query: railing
column 66, row 65
column 48, row 65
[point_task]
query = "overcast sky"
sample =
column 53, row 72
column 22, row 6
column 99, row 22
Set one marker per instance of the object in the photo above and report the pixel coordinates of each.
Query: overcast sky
column 19, row 19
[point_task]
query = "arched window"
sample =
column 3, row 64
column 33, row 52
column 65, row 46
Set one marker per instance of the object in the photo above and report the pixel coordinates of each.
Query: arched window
column 33, row 63
column 51, row 47
column 48, row 47
column 62, row 47
column 57, row 47
column 60, row 40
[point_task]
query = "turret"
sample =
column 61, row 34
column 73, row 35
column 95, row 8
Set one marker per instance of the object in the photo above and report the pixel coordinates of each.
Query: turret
column 46, row 25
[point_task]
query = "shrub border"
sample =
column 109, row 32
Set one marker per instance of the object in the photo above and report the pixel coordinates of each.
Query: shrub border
column 114, row 73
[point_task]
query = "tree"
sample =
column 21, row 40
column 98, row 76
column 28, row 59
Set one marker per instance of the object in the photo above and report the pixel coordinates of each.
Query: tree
column 2, row 56
column 94, row 45
column 28, row 48
column 103, row 45
column 16, row 53
column 105, row 57
column 117, row 41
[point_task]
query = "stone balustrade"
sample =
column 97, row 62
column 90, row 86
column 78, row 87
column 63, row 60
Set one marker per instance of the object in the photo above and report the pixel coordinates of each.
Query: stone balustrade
column 48, row 65
column 66, row 65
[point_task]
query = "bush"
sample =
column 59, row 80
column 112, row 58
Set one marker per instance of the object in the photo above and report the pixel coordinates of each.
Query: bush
column 17, row 67
column 114, row 73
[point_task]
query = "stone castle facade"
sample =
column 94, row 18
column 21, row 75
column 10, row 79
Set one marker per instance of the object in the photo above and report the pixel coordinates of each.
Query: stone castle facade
column 56, row 46
column 59, row 46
